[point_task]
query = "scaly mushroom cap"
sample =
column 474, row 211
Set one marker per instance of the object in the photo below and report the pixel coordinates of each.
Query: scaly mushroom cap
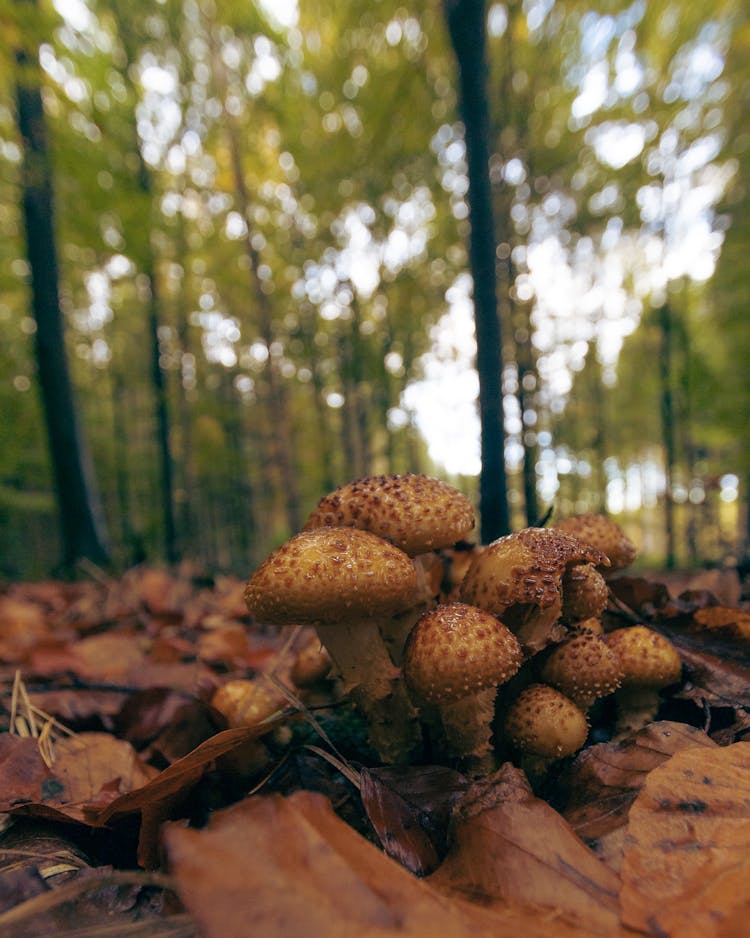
column 519, row 579
column 584, row 592
column 604, row 534
column 456, row 650
column 331, row 575
column 415, row 512
column 583, row 668
column 544, row 722
column 647, row 658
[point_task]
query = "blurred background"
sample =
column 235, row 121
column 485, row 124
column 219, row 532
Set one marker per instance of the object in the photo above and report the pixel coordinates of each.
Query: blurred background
column 251, row 222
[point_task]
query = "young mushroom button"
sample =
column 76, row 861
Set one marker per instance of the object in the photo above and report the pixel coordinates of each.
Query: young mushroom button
column 455, row 658
column 343, row 581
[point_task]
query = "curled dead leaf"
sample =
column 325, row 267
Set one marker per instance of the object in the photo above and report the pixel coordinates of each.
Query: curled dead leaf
column 507, row 844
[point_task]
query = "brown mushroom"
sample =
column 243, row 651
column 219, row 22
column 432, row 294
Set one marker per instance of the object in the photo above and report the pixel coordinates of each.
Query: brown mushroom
column 649, row 662
column 455, row 658
column 415, row 512
column 519, row 578
column 584, row 591
column 418, row 514
column 343, row 581
column 603, row 533
column 583, row 668
column 545, row 723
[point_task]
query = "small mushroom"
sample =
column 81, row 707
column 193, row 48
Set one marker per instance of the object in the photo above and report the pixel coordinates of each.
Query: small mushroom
column 544, row 723
column 583, row 668
column 584, row 591
column 603, row 533
column 417, row 513
column 246, row 703
column 311, row 665
column 455, row 658
column 519, row 578
column 343, row 581
column 649, row 662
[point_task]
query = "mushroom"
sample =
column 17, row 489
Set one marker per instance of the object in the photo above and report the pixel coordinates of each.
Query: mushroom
column 584, row 591
column 544, row 725
column 583, row 668
column 343, row 581
column 246, row 703
column 519, row 578
column 311, row 665
column 649, row 662
column 455, row 658
column 415, row 512
column 603, row 533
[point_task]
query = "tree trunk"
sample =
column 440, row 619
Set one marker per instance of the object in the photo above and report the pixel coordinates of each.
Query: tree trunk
column 668, row 431
column 281, row 441
column 467, row 28
column 81, row 519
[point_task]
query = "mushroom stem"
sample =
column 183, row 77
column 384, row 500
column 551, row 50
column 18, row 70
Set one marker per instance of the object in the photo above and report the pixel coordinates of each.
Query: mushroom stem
column 467, row 724
column 376, row 686
column 636, row 708
column 396, row 629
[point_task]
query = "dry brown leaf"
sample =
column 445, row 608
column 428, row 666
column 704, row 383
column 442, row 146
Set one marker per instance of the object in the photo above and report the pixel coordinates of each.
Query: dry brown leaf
column 605, row 779
column 409, row 807
column 686, row 867
column 737, row 621
column 284, row 867
column 508, row 844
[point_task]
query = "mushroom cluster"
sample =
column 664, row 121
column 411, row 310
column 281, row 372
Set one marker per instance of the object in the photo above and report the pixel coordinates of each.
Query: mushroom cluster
column 522, row 614
column 354, row 574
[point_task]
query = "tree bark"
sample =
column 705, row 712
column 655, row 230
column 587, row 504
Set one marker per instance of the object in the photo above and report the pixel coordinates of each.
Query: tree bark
column 467, row 27
column 81, row 519
column 668, row 430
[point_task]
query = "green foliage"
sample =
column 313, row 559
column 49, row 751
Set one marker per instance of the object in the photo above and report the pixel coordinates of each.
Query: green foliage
column 341, row 135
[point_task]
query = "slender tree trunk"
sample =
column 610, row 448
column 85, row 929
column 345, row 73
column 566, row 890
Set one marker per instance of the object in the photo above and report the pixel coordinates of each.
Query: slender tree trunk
column 148, row 261
column 668, row 431
column 467, row 27
column 81, row 519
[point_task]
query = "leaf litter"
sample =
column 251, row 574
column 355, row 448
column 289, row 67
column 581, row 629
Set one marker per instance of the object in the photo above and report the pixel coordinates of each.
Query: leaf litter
column 167, row 816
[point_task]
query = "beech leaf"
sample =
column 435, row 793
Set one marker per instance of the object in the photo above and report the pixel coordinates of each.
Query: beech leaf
column 605, row 779
column 686, row 866
column 281, row 867
column 508, row 844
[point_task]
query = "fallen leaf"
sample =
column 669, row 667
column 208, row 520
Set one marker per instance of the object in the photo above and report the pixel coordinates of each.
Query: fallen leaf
column 508, row 844
column 282, row 867
column 686, row 867
column 409, row 807
column 604, row 779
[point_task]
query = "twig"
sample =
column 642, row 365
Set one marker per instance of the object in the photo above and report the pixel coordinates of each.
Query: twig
column 47, row 901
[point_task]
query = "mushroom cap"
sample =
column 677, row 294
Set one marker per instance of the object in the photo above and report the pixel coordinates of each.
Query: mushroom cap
column 647, row 658
column 583, row 668
column 603, row 533
column 415, row 512
column 456, row 650
column 246, row 703
column 584, row 592
column 331, row 575
column 546, row 723
column 519, row 579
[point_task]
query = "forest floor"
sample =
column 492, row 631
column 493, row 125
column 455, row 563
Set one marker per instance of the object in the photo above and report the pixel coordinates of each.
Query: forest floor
column 131, row 805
